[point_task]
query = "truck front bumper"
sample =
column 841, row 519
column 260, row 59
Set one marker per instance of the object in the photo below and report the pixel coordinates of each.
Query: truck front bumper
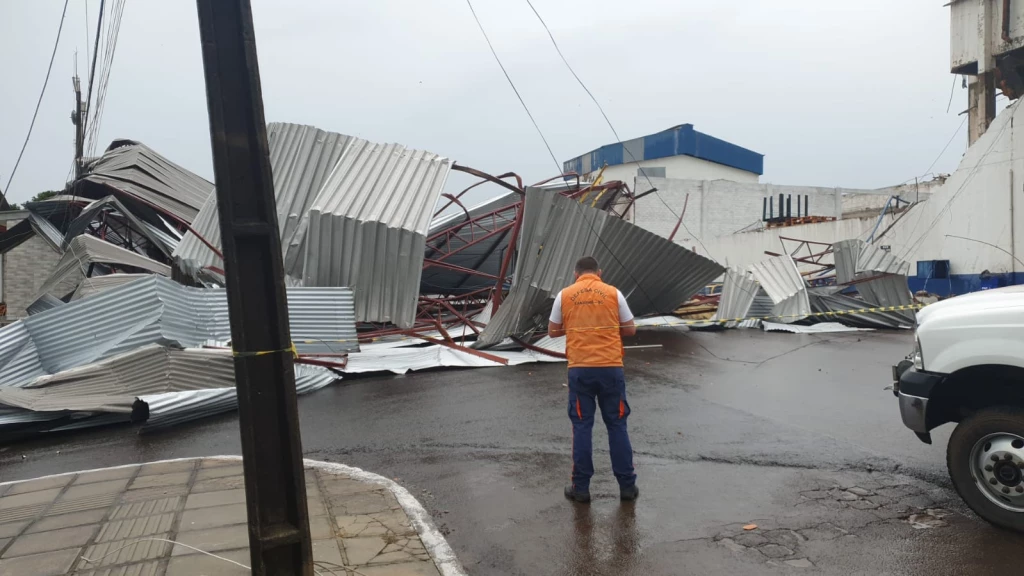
column 913, row 389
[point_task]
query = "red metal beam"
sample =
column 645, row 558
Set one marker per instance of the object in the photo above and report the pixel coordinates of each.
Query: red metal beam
column 537, row 349
column 496, row 179
column 454, row 346
column 427, row 262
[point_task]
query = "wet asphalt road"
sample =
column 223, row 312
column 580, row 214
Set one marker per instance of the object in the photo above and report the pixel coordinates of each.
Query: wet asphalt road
column 793, row 433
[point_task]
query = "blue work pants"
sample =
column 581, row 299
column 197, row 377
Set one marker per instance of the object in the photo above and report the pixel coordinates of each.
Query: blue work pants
column 590, row 388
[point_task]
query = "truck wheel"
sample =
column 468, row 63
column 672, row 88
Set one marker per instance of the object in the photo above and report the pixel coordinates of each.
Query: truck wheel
column 985, row 458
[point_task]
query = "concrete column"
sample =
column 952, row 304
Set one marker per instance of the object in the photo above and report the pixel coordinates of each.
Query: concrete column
column 981, row 100
column 981, row 91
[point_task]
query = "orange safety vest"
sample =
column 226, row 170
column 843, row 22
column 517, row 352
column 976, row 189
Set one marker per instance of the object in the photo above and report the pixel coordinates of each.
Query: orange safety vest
column 590, row 316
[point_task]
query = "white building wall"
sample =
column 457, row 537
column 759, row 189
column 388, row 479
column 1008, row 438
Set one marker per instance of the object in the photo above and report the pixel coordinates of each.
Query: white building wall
column 742, row 250
column 982, row 201
column 721, row 208
column 685, row 167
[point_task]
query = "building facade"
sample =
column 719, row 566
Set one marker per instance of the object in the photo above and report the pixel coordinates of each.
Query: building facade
column 679, row 152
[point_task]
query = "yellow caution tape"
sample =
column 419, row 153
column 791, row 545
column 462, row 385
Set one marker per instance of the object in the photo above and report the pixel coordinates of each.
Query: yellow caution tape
column 294, row 351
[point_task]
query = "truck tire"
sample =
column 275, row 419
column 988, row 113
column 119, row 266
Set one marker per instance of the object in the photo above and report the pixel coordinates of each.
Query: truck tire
column 985, row 458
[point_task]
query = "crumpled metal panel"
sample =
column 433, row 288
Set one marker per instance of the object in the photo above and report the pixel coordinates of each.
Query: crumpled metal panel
column 155, row 310
column 856, row 261
column 134, row 169
column 19, row 360
column 654, row 275
column 94, row 208
column 781, row 280
column 301, row 159
column 822, row 300
column 85, row 250
column 367, row 228
column 112, row 385
column 44, row 303
column 874, row 259
column 173, row 408
column 92, row 286
column 46, row 230
column 739, row 288
column 845, row 254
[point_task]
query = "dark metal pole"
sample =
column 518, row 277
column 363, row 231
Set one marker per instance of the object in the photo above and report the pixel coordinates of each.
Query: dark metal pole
column 78, row 118
column 275, row 487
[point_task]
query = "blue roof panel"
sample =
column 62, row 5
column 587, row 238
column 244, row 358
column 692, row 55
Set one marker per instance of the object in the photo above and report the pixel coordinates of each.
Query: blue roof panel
column 680, row 140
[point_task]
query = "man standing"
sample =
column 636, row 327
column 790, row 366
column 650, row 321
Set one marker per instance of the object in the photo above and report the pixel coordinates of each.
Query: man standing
column 594, row 317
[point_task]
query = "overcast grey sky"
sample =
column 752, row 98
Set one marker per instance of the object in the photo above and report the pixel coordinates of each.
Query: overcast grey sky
column 850, row 93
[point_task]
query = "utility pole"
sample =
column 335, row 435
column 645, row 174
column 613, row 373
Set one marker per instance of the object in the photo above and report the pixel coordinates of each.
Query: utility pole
column 78, row 119
column 275, row 487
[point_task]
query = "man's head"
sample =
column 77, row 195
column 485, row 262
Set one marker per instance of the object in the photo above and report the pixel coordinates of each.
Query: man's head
column 587, row 265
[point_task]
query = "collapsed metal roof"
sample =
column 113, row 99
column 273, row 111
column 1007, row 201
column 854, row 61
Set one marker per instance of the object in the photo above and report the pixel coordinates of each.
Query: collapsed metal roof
column 135, row 171
column 84, row 251
column 156, row 310
column 453, row 233
column 350, row 212
column 879, row 277
column 654, row 274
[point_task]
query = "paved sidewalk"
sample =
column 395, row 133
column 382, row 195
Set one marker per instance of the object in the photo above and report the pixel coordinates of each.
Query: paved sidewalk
column 142, row 521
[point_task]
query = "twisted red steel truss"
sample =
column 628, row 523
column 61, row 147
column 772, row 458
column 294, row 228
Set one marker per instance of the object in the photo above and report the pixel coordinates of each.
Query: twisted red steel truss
column 440, row 313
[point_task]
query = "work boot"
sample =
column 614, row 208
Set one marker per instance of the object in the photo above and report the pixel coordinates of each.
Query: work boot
column 581, row 496
column 629, row 494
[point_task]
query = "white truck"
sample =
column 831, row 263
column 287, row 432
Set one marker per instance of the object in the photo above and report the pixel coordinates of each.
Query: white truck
column 968, row 367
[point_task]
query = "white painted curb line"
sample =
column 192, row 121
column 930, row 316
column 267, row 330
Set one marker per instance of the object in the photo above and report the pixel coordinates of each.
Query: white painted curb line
column 434, row 542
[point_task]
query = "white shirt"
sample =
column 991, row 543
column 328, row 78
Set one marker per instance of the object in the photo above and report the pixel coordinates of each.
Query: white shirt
column 625, row 314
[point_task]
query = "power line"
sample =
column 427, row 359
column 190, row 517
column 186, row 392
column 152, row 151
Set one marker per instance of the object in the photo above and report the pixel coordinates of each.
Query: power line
column 92, row 73
column 944, row 148
column 590, row 220
column 614, row 132
column 38, row 102
column 510, row 83
column 87, row 57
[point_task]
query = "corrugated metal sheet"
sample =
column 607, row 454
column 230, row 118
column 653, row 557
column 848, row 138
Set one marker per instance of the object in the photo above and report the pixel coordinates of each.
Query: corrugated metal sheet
column 781, row 280
column 301, row 159
column 113, row 384
column 135, row 170
column 85, row 250
column 155, row 310
column 874, row 259
column 173, row 408
column 845, row 254
column 819, row 328
column 367, row 228
column 739, row 289
column 44, row 303
column 857, row 261
column 822, row 300
column 19, row 360
column 91, row 286
column 654, row 275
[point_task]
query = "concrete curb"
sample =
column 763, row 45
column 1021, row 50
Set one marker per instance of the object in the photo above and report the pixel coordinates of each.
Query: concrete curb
column 434, row 542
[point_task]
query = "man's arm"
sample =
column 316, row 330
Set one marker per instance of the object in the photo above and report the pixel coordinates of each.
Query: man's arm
column 555, row 328
column 626, row 325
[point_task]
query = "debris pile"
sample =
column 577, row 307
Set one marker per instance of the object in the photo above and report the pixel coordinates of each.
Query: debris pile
column 775, row 290
column 385, row 272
